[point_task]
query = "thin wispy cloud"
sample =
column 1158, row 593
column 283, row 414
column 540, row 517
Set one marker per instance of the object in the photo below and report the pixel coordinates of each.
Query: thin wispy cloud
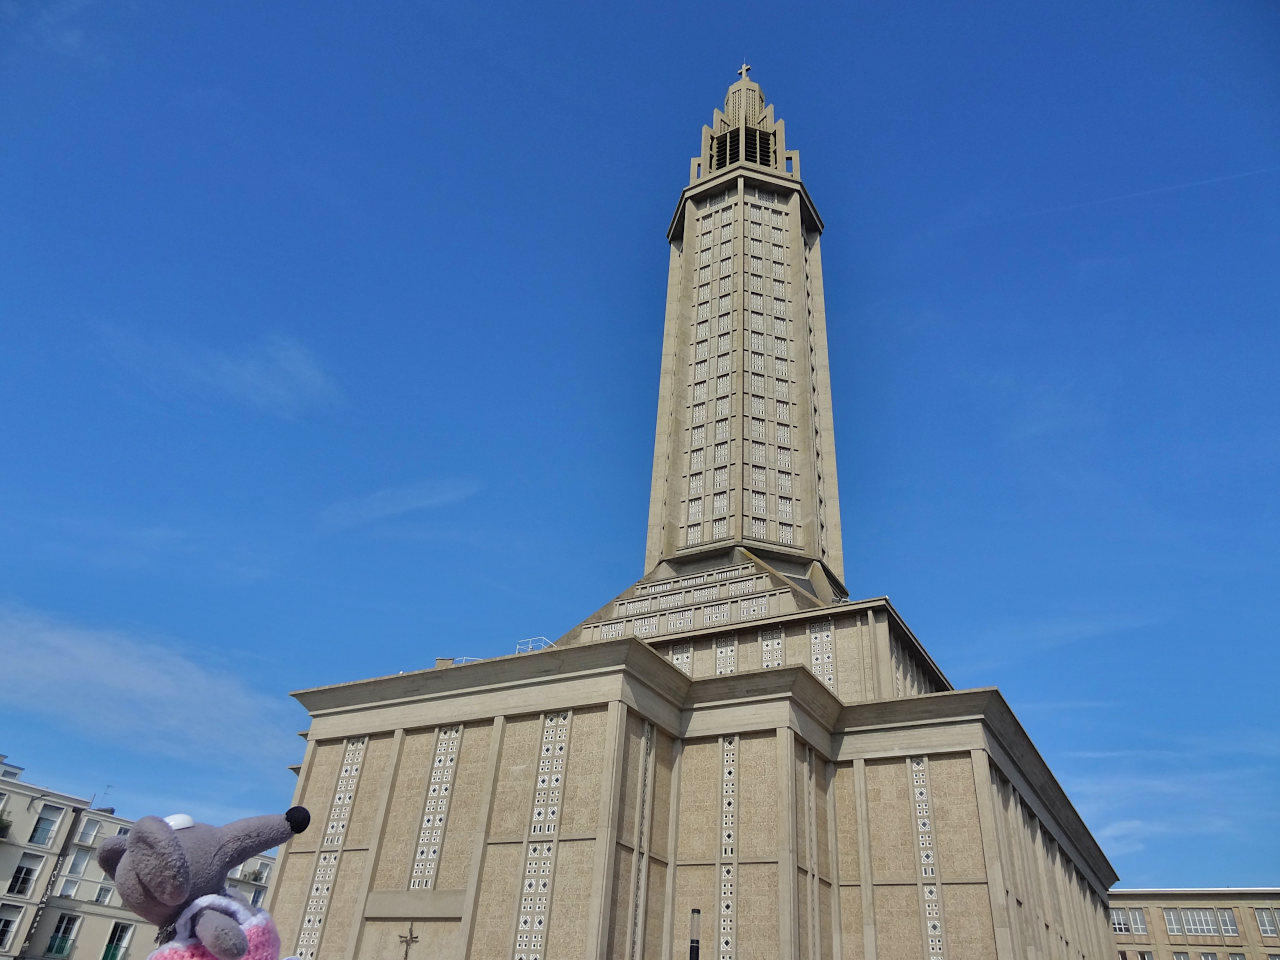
column 393, row 502
column 1001, row 644
column 277, row 374
column 141, row 695
column 1154, row 191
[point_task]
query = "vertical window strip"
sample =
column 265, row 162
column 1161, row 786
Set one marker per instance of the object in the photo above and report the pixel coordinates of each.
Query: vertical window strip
column 727, row 925
column 933, row 921
column 322, row 880
column 726, row 655
column 771, row 648
column 822, row 654
column 435, row 810
column 539, row 864
column 642, row 842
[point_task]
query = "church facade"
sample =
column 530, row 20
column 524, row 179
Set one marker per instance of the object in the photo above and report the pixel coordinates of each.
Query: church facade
column 732, row 734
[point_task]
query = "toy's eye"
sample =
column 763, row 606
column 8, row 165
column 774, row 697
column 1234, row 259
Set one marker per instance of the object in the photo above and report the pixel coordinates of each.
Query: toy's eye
column 179, row 820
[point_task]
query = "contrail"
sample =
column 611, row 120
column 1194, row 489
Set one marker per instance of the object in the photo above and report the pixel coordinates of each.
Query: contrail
column 1147, row 193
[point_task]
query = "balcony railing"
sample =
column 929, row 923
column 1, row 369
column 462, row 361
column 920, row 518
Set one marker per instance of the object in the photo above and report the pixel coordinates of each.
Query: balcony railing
column 59, row 946
column 113, row 951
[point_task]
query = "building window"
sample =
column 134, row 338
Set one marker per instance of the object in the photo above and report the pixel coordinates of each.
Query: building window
column 700, row 391
column 118, row 941
column 786, row 534
column 722, row 385
column 784, row 458
column 695, row 485
column 721, row 477
column 695, row 510
column 693, row 535
column 64, row 936
column 88, row 831
column 719, row 529
column 1200, row 923
column 69, row 887
column 722, row 453
column 757, row 362
column 24, row 874
column 722, row 406
column 1119, row 920
column 757, row 502
column 1138, row 920
column 1227, row 919
column 697, row 436
column 757, row 406
column 783, row 411
column 784, row 508
column 758, row 477
column 757, row 429
column 1236, row 956
column 720, row 503
column 45, row 825
column 9, row 915
column 784, row 482
column 702, row 350
column 1266, row 921
column 722, row 429
column 104, row 893
column 1178, row 955
column 756, row 341
column 1145, row 955
column 79, row 860
column 723, row 342
column 699, row 412
column 1206, row 955
column 758, row 529
column 696, row 460
column 256, row 900
column 784, row 433
column 781, row 389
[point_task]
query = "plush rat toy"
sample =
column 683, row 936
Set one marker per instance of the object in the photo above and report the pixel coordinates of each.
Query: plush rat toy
column 173, row 872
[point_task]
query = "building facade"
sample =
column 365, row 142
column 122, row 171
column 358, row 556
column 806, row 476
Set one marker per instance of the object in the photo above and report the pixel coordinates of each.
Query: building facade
column 1222, row 924
column 55, row 901
column 732, row 734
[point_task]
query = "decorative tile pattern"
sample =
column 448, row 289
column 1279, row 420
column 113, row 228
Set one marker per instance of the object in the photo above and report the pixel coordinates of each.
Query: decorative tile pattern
column 726, row 655
column 682, row 657
column 928, row 859
column 344, row 796
column 728, row 850
column 822, row 654
column 771, row 649
column 539, row 863
column 436, row 809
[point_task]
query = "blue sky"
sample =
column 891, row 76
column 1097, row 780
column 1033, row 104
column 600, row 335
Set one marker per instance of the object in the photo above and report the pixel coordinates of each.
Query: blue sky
column 329, row 343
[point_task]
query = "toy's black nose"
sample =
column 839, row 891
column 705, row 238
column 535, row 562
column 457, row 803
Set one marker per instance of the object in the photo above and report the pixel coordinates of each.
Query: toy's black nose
column 299, row 818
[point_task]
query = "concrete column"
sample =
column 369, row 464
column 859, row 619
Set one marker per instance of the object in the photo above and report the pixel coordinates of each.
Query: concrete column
column 472, row 894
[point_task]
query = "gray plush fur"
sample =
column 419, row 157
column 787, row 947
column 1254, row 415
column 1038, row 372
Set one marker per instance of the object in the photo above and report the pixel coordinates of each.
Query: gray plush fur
column 160, row 871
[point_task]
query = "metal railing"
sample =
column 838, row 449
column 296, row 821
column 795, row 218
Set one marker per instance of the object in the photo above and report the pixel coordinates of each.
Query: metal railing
column 59, row 946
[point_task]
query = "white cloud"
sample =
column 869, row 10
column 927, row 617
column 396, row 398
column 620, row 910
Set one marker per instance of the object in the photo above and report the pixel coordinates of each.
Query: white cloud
column 143, row 696
column 277, row 374
column 393, row 502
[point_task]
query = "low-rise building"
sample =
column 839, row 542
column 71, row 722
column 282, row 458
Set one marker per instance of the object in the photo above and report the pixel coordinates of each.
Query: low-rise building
column 1213, row 924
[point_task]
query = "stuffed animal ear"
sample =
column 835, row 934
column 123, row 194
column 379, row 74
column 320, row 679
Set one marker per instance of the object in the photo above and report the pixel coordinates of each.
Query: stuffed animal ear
column 158, row 860
column 109, row 854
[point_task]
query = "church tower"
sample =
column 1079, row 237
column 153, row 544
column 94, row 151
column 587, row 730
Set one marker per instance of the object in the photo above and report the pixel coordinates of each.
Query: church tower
column 732, row 734
column 745, row 452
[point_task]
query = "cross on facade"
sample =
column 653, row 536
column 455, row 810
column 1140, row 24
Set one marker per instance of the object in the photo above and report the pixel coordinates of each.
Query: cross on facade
column 408, row 939
column 744, row 69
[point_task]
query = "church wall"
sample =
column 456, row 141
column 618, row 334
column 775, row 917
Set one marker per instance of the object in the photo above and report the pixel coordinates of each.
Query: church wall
column 517, row 769
column 580, row 808
column 404, row 813
column 757, row 899
column 497, row 903
column 381, row 939
column 758, row 801
column 466, row 807
column 571, row 900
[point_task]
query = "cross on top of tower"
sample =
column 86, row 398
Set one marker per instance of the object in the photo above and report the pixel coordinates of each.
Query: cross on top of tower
column 744, row 69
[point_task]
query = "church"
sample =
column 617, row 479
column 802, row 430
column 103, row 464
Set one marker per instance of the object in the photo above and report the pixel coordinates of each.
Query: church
column 733, row 750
